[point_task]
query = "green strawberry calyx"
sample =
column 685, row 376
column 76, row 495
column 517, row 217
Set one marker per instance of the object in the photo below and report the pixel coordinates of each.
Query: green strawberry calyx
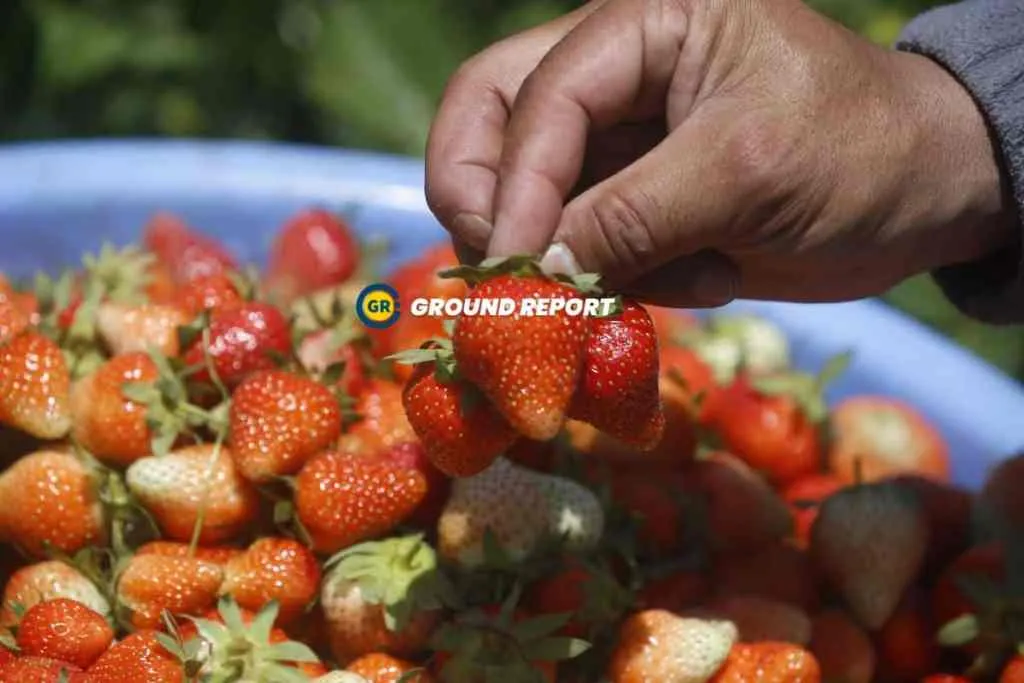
column 522, row 265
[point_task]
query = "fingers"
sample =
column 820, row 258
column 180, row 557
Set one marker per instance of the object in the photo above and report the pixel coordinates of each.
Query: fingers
column 706, row 279
column 615, row 65
column 467, row 137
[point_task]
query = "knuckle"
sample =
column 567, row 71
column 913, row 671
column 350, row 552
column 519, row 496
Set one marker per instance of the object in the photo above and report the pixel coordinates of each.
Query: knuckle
column 623, row 225
column 760, row 156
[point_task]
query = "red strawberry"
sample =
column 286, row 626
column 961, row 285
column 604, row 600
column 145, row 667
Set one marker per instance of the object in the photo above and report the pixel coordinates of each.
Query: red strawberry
column 742, row 511
column 413, row 456
column 49, row 580
column 242, row 340
column 34, row 386
column 159, row 287
column 769, row 662
column 314, row 250
column 907, row 648
column 382, row 596
column 672, row 322
column 278, row 569
column 655, row 645
column 842, row 648
column 207, row 293
column 278, row 421
column 618, row 391
column 1013, row 672
column 151, row 583
column 657, row 505
column 587, row 591
column 880, row 436
column 869, row 544
column 771, row 432
column 343, row 499
column 41, row 670
column 65, row 630
column 692, row 373
column 245, row 646
column 779, row 571
column 138, row 658
column 5, row 654
column 188, row 254
column 759, row 619
column 382, row 424
column 529, row 366
column 51, row 499
column 193, row 483
column 378, row 667
column 13, row 320
column 107, row 423
column 460, row 429
column 126, row 328
column 804, row 496
column 218, row 555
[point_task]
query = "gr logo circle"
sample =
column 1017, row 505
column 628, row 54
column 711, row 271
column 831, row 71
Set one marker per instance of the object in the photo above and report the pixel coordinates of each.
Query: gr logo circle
column 377, row 306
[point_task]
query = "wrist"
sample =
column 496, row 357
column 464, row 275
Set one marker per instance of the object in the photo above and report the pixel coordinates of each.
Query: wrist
column 973, row 213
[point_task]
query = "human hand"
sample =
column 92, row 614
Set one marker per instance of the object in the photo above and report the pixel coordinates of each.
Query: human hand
column 695, row 151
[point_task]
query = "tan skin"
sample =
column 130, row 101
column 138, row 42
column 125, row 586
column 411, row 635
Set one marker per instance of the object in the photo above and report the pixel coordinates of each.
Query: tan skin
column 695, row 151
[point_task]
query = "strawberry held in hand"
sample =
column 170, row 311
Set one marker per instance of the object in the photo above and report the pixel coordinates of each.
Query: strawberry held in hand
column 460, row 429
column 528, row 366
column 618, row 391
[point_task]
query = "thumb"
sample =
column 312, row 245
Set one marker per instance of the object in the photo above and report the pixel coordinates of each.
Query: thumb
column 659, row 215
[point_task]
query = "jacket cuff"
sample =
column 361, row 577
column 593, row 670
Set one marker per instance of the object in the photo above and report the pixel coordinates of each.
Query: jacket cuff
column 981, row 42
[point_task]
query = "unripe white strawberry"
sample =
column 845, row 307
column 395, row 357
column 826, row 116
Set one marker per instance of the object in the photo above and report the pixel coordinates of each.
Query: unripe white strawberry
column 520, row 508
column 656, row 645
column 340, row 677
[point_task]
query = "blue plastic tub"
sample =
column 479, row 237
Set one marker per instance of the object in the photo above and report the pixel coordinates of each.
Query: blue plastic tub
column 59, row 199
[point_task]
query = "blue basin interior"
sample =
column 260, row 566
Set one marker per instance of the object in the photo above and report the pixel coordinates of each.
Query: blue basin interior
column 60, row 199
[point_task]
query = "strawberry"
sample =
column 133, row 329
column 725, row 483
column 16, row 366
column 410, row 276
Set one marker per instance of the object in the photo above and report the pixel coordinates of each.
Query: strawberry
column 378, row 667
column 655, row 645
column 382, row 424
column 104, row 421
column 352, row 677
column 500, row 642
column 51, row 501
column 674, row 591
column 960, row 590
column 13, row 320
column 315, row 249
column 586, row 590
column 769, row 662
column 151, row 583
column 529, row 366
column 218, row 555
column 1000, row 498
column 461, row 430
column 49, row 580
column 278, row 569
column 413, row 456
column 65, row 630
column 670, row 323
column 239, row 341
column 690, row 372
column 322, row 348
column 342, row 499
column 742, row 512
column 804, row 496
column 382, row 596
column 186, row 253
column 881, row 436
column 770, row 431
column 945, row 678
column 195, row 486
column 207, row 293
column 125, row 328
column 278, row 421
column 842, row 648
column 34, row 386
column 869, row 543
column 139, row 658
column 618, row 391
column 949, row 510
column 41, row 670
column 759, row 619
column 658, row 506
column 245, row 646
column 779, row 571
column 521, row 509
column 907, row 648
column 1013, row 672
column 158, row 285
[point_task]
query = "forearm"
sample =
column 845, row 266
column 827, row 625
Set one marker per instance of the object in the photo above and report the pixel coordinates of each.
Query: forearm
column 981, row 42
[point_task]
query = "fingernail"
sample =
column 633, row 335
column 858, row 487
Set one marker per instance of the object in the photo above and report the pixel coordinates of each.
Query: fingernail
column 558, row 260
column 472, row 229
column 715, row 286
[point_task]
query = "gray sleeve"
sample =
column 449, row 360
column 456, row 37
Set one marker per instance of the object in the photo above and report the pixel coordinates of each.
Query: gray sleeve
column 981, row 42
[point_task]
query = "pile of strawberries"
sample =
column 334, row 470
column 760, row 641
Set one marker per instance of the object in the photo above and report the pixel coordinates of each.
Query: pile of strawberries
column 210, row 473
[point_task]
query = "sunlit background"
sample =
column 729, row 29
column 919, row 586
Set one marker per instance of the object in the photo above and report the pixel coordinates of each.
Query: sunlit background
column 359, row 73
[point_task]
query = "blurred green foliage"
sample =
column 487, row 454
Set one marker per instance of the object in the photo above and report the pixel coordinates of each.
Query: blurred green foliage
column 362, row 73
